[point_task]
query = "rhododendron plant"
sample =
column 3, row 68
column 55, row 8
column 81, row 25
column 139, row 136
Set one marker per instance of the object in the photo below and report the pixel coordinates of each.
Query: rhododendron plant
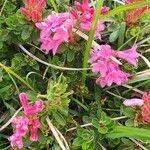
column 33, row 9
column 28, row 122
column 108, row 69
column 84, row 58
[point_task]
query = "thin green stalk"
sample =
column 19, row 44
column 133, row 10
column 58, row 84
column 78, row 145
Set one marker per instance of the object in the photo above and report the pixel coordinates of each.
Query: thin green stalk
column 54, row 5
column 3, row 7
column 8, row 70
column 91, row 37
column 48, row 64
column 124, row 8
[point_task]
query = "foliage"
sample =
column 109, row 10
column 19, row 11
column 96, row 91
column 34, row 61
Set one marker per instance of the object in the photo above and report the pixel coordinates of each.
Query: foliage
column 88, row 117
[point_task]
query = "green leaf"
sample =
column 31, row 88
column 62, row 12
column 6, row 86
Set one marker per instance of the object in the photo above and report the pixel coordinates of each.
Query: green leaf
column 113, row 36
column 103, row 130
column 59, row 118
column 70, row 55
column 129, row 123
column 85, row 145
column 95, row 123
column 130, row 132
column 129, row 112
column 121, row 34
column 25, row 34
column 77, row 141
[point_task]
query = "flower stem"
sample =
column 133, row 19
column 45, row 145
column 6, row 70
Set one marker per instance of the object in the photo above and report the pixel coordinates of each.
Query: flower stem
column 91, row 37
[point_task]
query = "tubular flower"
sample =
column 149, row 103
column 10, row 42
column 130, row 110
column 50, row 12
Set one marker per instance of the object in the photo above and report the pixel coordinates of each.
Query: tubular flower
column 28, row 122
column 129, row 55
column 30, row 112
column 16, row 141
column 133, row 15
column 21, row 124
column 133, row 102
column 55, row 30
column 108, row 70
column 34, row 125
column 85, row 16
column 33, row 9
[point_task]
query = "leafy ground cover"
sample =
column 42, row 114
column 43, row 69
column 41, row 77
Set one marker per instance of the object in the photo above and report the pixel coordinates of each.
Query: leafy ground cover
column 74, row 75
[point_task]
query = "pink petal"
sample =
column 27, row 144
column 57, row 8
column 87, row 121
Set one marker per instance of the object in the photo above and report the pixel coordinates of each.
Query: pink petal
column 34, row 130
column 24, row 101
column 133, row 102
column 16, row 141
column 105, row 10
column 129, row 55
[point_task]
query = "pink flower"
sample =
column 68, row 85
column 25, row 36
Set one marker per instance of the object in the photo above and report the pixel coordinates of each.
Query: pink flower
column 30, row 110
column 84, row 6
column 100, row 27
column 55, row 31
column 108, row 70
column 85, row 17
column 27, row 122
column 112, row 76
column 129, row 55
column 144, row 103
column 21, row 124
column 133, row 102
column 16, row 141
column 105, row 10
column 35, row 124
column 33, row 9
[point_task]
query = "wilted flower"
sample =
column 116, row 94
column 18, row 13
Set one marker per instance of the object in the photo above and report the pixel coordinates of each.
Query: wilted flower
column 143, row 115
column 133, row 15
column 27, row 122
column 55, row 30
column 108, row 69
column 33, row 9
column 145, row 109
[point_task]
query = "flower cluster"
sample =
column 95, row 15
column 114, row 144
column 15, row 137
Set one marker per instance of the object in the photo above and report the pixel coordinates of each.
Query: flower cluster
column 55, row 30
column 144, row 105
column 33, row 9
column 133, row 15
column 28, row 122
column 85, row 16
column 102, row 63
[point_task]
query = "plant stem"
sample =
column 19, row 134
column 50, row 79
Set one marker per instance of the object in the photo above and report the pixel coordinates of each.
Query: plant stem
column 3, row 7
column 91, row 37
column 48, row 64
column 54, row 5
